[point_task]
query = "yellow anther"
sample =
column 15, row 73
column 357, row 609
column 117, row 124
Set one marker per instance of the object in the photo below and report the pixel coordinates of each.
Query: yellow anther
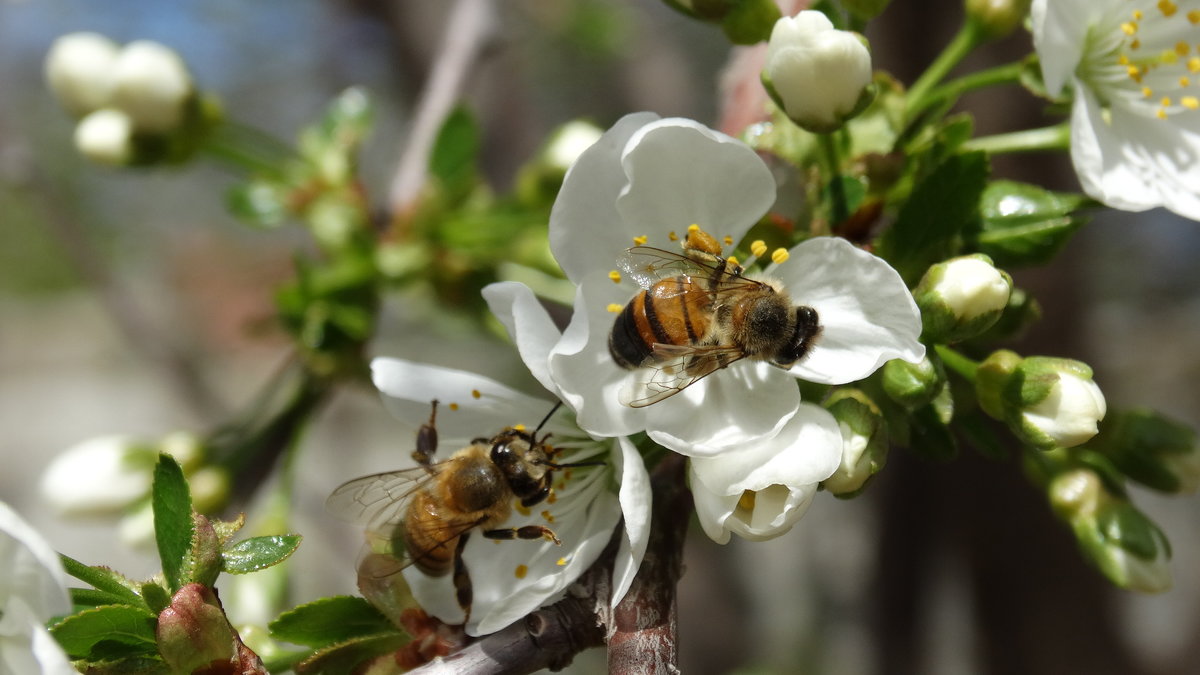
column 521, row 571
column 552, row 497
column 1160, row 114
column 615, row 308
column 1169, row 56
column 1193, row 64
column 453, row 406
column 1135, row 43
column 672, row 236
column 732, row 260
column 779, row 256
column 639, row 240
column 521, row 508
column 518, row 427
column 746, row 501
column 1134, row 73
column 1185, row 81
column 1194, row 16
column 615, row 276
column 475, row 393
column 693, row 227
column 1182, row 48
column 1190, row 102
column 1167, row 7
column 1165, row 101
column 1123, row 60
column 548, row 516
column 758, row 248
column 1147, row 92
column 1129, row 28
column 728, row 240
column 1137, row 15
column 562, row 562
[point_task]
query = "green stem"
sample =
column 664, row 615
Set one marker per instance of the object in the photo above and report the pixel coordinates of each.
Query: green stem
column 1057, row 137
column 246, row 149
column 839, row 210
column 957, row 361
column 953, row 89
column 968, row 38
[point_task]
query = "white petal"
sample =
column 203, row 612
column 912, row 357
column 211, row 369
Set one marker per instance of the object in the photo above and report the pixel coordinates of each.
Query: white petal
column 409, row 387
column 636, row 498
column 584, row 220
column 867, row 314
column 807, row 450
column 588, row 378
column 1060, row 30
column 528, row 324
column 741, row 405
column 32, row 571
column 683, row 173
column 98, row 475
column 713, row 510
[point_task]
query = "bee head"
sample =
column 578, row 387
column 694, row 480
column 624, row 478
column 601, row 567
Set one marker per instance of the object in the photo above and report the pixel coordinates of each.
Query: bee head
column 805, row 331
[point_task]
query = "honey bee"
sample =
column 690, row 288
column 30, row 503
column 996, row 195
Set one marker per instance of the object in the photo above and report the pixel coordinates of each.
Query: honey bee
column 425, row 514
column 698, row 313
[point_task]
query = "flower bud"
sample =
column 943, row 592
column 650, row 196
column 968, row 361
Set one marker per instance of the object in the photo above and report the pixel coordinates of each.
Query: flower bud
column 106, row 137
column 1151, row 449
column 1047, row 402
column 744, row 22
column 818, row 75
column 193, row 632
column 151, row 84
column 864, row 442
column 913, row 385
column 99, row 475
column 996, row 18
column 961, row 298
column 78, row 71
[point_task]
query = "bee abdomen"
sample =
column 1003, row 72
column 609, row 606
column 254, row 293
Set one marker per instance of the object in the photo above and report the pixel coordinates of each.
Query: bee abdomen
column 425, row 537
column 673, row 311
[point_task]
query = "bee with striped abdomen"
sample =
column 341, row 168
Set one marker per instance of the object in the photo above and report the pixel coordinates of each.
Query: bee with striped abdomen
column 698, row 313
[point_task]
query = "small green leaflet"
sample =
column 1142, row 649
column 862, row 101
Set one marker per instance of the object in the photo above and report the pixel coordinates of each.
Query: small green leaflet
column 256, row 553
column 330, row 620
column 172, row 505
column 108, row 632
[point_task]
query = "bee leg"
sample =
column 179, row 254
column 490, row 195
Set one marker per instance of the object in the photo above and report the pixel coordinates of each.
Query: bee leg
column 526, row 532
column 427, row 439
column 462, row 581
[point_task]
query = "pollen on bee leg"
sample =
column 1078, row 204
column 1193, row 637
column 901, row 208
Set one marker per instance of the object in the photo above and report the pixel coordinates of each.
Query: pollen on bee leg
column 615, row 276
column 780, row 256
column 614, row 308
column 521, row 571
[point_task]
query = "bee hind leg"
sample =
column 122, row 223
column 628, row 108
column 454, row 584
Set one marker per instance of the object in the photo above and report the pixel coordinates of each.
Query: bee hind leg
column 462, row 581
column 526, row 532
column 427, row 439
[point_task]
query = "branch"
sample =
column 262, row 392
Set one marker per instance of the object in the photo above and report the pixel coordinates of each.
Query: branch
column 470, row 23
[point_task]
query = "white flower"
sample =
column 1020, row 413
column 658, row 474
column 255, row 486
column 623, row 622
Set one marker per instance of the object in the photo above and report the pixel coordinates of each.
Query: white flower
column 1070, row 413
column 1135, row 122
column 569, row 141
column 151, row 85
column 759, row 492
column 646, row 180
column 962, row 297
column 102, row 474
column 105, row 136
column 78, row 70
column 33, row 589
column 819, row 75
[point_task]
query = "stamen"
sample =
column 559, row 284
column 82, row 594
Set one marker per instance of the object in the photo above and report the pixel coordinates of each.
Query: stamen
column 1129, row 28
column 521, row 508
column 615, row 276
column 1190, row 102
column 693, row 227
column 1135, row 43
column 548, row 516
column 518, row 427
column 1147, row 92
column 1194, row 16
column 728, row 240
column 1165, row 102
column 746, row 501
column 1193, row 64
column 758, row 248
column 562, row 562
column 615, row 308
column 1167, row 7
column 672, row 236
column 521, row 571
column 453, row 406
column 1137, row 15
column 1160, row 114
column 640, row 240
column 779, row 256
column 1182, row 48
column 552, row 497
column 475, row 393
column 1184, row 81
column 732, row 260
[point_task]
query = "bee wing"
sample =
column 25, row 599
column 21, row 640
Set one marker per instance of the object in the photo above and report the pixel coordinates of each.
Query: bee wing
column 388, row 555
column 684, row 366
column 648, row 265
column 378, row 502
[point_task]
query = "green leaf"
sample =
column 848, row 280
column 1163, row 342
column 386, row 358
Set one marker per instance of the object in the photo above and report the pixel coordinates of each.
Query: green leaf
column 108, row 632
column 260, row 202
column 90, row 597
column 1024, row 224
column 929, row 225
column 134, row 665
column 344, row 657
column 156, row 597
column 102, row 579
column 172, row 504
column 329, row 620
column 452, row 161
column 256, row 553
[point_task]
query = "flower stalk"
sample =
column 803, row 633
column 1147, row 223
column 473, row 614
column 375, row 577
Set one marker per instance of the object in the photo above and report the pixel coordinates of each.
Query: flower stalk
column 1052, row 138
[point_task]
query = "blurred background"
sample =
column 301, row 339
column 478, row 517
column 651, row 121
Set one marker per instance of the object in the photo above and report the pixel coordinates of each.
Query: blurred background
column 131, row 302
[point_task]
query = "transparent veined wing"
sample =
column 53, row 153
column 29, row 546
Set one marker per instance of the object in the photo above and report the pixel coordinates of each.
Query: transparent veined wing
column 673, row 368
column 378, row 502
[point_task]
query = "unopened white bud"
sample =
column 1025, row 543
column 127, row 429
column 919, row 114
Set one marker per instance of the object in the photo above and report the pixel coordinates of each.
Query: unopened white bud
column 79, row 69
column 819, row 75
column 105, row 136
column 962, row 297
column 99, row 475
column 569, row 142
column 151, row 84
column 1070, row 413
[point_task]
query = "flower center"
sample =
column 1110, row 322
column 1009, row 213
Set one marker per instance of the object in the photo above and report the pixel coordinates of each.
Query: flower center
column 1146, row 59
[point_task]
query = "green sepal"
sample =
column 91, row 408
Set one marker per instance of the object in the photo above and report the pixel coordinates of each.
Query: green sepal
column 330, row 620
column 914, row 385
column 156, row 597
column 173, row 525
column 103, row 579
column 256, row 553
column 750, row 21
column 105, row 633
column 1150, row 448
column 346, row 657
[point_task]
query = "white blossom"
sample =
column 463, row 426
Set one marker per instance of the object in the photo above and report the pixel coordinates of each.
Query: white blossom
column 105, row 136
column 151, row 85
column 1135, row 121
column 33, row 589
column 1070, row 413
column 78, row 70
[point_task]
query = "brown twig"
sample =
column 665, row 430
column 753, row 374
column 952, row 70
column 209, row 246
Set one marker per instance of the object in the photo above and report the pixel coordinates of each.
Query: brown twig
column 466, row 35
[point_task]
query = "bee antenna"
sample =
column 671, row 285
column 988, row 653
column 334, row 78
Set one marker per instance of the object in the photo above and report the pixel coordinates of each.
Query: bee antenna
column 545, row 419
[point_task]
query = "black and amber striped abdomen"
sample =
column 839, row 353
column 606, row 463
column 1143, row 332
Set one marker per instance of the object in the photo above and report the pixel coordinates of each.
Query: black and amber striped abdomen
column 675, row 311
column 429, row 538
